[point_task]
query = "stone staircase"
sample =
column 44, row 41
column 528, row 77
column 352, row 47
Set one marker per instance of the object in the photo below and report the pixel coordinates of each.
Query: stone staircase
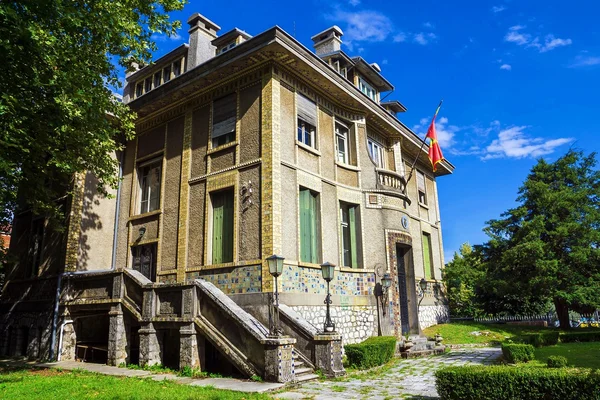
column 421, row 347
column 303, row 371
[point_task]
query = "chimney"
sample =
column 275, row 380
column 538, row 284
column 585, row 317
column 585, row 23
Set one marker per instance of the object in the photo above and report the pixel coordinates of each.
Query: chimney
column 202, row 32
column 328, row 41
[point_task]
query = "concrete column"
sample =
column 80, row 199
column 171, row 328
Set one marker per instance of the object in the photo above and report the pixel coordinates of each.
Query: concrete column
column 328, row 355
column 149, row 346
column 117, row 337
column 189, row 355
column 279, row 363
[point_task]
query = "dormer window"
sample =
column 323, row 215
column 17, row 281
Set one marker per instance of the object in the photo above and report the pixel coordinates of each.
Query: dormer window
column 367, row 89
column 159, row 77
column 167, row 74
column 227, row 47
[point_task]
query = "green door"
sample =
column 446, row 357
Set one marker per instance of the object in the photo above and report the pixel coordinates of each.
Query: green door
column 222, row 246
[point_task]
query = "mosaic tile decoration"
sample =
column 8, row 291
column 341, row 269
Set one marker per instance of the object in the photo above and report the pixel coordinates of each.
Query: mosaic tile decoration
column 297, row 279
column 246, row 279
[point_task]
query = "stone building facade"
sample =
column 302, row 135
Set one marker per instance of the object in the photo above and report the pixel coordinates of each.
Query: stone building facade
column 246, row 147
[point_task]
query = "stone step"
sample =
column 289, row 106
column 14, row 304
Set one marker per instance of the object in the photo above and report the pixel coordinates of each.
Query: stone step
column 308, row 377
column 422, row 353
column 301, row 371
column 298, row 364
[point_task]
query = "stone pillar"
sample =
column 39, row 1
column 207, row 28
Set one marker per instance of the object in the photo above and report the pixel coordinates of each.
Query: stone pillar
column 279, row 363
column 328, row 354
column 189, row 355
column 117, row 337
column 149, row 346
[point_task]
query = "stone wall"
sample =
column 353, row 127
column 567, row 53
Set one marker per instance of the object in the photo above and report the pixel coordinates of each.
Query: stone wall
column 433, row 315
column 355, row 323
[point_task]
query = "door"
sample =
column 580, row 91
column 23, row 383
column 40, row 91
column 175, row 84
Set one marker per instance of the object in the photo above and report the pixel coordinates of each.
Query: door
column 402, row 289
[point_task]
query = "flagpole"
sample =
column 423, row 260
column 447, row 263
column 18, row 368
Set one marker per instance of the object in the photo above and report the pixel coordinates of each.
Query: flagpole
column 412, row 167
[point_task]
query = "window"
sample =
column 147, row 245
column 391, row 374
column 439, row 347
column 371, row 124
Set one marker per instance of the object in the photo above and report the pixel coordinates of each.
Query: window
column 341, row 135
column 139, row 89
column 367, row 89
column 349, row 228
column 177, row 67
column 36, row 241
column 148, row 85
column 224, row 118
column 228, row 46
column 150, row 176
column 377, row 153
column 307, row 121
column 157, row 80
column 222, row 226
column 309, row 222
column 167, row 74
column 144, row 260
column 421, row 188
column 427, row 256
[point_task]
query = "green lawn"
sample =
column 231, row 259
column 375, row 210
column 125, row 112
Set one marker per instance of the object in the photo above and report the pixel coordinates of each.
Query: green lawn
column 66, row 385
column 581, row 355
column 460, row 332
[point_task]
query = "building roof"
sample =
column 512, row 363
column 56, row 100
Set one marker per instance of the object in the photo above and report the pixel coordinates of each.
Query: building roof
column 229, row 36
column 372, row 74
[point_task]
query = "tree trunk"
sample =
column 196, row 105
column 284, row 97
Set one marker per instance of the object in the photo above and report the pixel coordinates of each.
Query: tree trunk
column 562, row 310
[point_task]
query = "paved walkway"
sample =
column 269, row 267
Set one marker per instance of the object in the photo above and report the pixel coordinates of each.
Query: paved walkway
column 407, row 379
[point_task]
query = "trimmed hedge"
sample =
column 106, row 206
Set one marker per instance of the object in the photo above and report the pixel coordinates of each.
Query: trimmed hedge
column 516, row 353
column 539, row 339
column 374, row 351
column 557, row 362
column 570, row 337
column 510, row 383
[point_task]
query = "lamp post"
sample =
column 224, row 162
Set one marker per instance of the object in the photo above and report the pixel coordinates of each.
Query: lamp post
column 275, row 269
column 328, row 270
column 423, row 286
column 386, row 283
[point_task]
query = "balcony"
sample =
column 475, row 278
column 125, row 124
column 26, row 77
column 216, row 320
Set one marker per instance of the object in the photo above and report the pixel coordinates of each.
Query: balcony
column 391, row 181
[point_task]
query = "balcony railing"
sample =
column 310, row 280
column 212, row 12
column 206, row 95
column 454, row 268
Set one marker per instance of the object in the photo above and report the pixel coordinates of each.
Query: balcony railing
column 390, row 180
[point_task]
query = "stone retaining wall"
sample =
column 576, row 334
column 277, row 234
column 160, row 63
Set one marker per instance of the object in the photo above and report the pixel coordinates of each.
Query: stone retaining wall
column 354, row 323
column 433, row 315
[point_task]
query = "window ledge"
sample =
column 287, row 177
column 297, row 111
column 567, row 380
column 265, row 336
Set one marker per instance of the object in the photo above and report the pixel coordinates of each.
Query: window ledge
column 222, row 147
column 145, row 215
column 309, row 265
column 218, row 266
column 424, row 205
column 357, row 270
column 308, row 148
column 347, row 166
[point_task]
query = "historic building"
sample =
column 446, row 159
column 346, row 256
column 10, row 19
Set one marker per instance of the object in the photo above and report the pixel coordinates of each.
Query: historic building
column 246, row 147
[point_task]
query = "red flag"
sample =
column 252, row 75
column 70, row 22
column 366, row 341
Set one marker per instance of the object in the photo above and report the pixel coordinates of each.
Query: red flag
column 435, row 152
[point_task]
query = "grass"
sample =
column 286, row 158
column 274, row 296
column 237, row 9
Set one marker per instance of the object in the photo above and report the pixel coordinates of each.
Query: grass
column 580, row 355
column 460, row 332
column 16, row 384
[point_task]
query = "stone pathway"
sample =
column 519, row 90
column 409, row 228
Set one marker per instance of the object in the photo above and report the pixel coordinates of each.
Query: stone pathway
column 407, row 379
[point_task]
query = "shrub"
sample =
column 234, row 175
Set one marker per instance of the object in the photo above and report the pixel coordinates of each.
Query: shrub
column 557, row 362
column 539, row 339
column 374, row 351
column 516, row 353
column 569, row 337
column 510, row 383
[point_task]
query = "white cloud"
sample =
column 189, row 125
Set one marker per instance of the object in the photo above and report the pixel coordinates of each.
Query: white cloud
column 428, row 25
column 363, row 26
column 513, row 143
column 506, row 67
column 161, row 37
column 424, row 38
column 584, row 60
column 444, row 130
column 399, row 37
column 354, row 2
column 497, row 9
column 384, row 62
column 516, row 35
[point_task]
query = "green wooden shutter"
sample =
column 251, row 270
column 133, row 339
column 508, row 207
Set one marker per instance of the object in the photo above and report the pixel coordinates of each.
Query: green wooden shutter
column 304, row 226
column 313, row 227
column 427, row 255
column 217, row 245
column 227, row 227
column 353, row 234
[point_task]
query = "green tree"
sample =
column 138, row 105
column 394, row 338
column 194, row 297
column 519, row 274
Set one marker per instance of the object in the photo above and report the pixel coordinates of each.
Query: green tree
column 58, row 115
column 461, row 276
column 547, row 248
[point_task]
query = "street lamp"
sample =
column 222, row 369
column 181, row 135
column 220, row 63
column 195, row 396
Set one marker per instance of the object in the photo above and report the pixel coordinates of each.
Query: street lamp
column 386, row 283
column 423, row 286
column 275, row 269
column 328, row 270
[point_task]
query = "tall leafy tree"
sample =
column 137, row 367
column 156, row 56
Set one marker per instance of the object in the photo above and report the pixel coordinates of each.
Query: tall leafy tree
column 58, row 116
column 461, row 276
column 547, row 248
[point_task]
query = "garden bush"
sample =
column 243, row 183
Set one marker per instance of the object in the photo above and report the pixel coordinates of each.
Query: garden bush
column 539, row 339
column 590, row 336
column 557, row 362
column 512, row 383
column 516, row 353
column 374, row 351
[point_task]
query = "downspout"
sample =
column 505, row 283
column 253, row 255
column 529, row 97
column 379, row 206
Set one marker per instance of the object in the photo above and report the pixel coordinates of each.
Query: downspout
column 55, row 317
column 118, row 208
column 60, row 338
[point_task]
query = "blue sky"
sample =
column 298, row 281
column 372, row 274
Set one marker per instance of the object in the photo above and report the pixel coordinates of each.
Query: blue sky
column 520, row 80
